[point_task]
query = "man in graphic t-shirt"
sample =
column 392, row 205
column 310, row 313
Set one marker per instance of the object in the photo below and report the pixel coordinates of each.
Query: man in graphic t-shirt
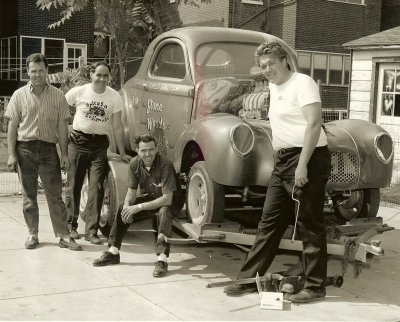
column 98, row 115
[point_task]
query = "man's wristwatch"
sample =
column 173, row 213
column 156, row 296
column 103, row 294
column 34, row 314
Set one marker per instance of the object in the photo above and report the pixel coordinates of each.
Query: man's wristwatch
column 140, row 206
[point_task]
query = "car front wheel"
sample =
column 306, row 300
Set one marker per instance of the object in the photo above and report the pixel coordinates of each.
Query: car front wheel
column 359, row 204
column 205, row 199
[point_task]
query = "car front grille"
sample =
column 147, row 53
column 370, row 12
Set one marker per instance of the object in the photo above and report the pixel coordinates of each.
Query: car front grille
column 345, row 167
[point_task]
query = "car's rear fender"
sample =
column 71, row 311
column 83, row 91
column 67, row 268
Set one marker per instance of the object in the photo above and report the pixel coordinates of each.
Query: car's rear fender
column 210, row 139
column 119, row 171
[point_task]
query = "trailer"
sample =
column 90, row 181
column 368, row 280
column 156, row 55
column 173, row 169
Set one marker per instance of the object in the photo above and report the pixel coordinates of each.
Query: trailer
column 353, row 240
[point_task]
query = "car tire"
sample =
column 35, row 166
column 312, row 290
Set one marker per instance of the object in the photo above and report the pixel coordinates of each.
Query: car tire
column 363, row 204
column 205, row 199
column 109, row 206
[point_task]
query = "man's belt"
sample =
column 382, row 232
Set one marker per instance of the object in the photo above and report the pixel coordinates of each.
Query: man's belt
column 90, row 134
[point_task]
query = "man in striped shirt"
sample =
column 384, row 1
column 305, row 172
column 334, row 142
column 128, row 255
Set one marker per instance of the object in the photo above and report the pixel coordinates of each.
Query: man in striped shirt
column 37, row 115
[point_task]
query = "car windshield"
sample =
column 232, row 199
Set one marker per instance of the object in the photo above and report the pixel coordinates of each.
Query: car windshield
column 246, row 98
column 225, row 83
column 219, row 59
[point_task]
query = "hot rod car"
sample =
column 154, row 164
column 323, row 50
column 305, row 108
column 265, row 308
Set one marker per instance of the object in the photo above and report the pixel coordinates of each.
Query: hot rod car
column 194, row 92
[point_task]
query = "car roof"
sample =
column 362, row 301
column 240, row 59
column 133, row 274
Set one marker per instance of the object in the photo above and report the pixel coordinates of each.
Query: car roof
column 193, row 36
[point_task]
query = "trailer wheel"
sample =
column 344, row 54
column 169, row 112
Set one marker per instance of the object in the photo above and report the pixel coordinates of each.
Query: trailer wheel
column 205, row 199
column 109, row 206
column 360, row 204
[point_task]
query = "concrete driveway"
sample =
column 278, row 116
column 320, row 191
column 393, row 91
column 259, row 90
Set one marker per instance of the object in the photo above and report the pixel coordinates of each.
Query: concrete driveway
column 50, row 283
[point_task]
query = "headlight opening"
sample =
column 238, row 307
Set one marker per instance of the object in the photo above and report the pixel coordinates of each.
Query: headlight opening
column 383, row 145
column 242, row 139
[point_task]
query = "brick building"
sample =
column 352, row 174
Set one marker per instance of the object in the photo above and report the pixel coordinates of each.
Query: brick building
column 23, row 31
column 316, row 29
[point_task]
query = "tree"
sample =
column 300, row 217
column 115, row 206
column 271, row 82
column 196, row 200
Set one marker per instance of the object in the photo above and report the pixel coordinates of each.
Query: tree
column 132, row 23
column 70, row 78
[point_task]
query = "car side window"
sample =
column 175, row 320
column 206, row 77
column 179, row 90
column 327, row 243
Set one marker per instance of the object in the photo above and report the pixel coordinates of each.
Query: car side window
column 170, row 62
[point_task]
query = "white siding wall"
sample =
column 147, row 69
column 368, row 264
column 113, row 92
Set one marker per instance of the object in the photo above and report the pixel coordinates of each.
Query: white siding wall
column 361, row 82
column 360, row 96
column 360, row 91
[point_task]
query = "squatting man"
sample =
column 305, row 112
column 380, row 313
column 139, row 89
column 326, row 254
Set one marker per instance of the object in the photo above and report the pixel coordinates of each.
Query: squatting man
column 156, row 177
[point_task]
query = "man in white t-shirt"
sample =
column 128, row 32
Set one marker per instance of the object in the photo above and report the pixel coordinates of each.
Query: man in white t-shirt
column 98, row 116
column 300, row 173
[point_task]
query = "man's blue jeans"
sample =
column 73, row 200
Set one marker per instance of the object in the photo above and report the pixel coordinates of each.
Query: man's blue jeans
column 90, row 159
column 39, row 158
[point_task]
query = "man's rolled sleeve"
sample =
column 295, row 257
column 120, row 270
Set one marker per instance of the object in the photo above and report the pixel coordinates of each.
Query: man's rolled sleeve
column 168, row 179
column 12, row 111
column 118, row 104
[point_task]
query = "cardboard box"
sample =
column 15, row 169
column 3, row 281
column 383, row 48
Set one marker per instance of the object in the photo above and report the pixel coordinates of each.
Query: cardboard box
column 269, row 300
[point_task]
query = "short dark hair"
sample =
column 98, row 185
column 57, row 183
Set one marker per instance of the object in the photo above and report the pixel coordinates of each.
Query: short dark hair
column 270, row 48
column 145, row 138
column 97, row 64
column 36, row 58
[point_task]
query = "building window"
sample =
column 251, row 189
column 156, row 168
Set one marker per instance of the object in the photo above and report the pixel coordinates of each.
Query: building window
column 258, row 2
column 335, row 69
column 329, row 68
column 320, row 67
column 54, row 51
column 362, row 2
column 390, row 98
column 304, row 61
column 76, row 55
column 8, row 58
column 52, row 48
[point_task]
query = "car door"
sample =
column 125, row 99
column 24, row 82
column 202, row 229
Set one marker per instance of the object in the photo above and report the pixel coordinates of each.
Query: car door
column 167, row 95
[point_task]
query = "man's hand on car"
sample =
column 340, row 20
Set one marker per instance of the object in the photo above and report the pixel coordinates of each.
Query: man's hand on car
column 126, row 158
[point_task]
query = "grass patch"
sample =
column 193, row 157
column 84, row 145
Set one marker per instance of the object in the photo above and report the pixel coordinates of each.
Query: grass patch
column 391, row 194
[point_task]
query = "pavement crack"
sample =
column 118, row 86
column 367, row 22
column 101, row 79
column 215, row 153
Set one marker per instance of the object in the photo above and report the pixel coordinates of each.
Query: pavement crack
column 60, row 293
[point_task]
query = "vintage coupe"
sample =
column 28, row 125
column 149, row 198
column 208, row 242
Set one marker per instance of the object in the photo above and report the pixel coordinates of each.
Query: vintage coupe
column 194, row 92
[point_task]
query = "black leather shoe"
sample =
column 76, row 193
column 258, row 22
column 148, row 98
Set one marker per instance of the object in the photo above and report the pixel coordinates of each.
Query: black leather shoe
column 240, row 289
column 31, row 242
column 93, row 239
column 71, row 244
column 161, row 269
column 74, row 234
column 107, row 258
column 307, row 295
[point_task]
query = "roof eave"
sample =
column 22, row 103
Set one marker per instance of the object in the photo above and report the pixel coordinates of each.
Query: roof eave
column 371, row 47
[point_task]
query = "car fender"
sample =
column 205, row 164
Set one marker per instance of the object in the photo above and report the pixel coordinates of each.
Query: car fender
column 359, row 138
column 119, row 170
column 212, row 134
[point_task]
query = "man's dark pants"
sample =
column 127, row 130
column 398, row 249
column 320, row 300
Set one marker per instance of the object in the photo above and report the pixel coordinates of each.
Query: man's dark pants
column 279, row 210
column 165, row 218
column 91, row 158
column 39, row 158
